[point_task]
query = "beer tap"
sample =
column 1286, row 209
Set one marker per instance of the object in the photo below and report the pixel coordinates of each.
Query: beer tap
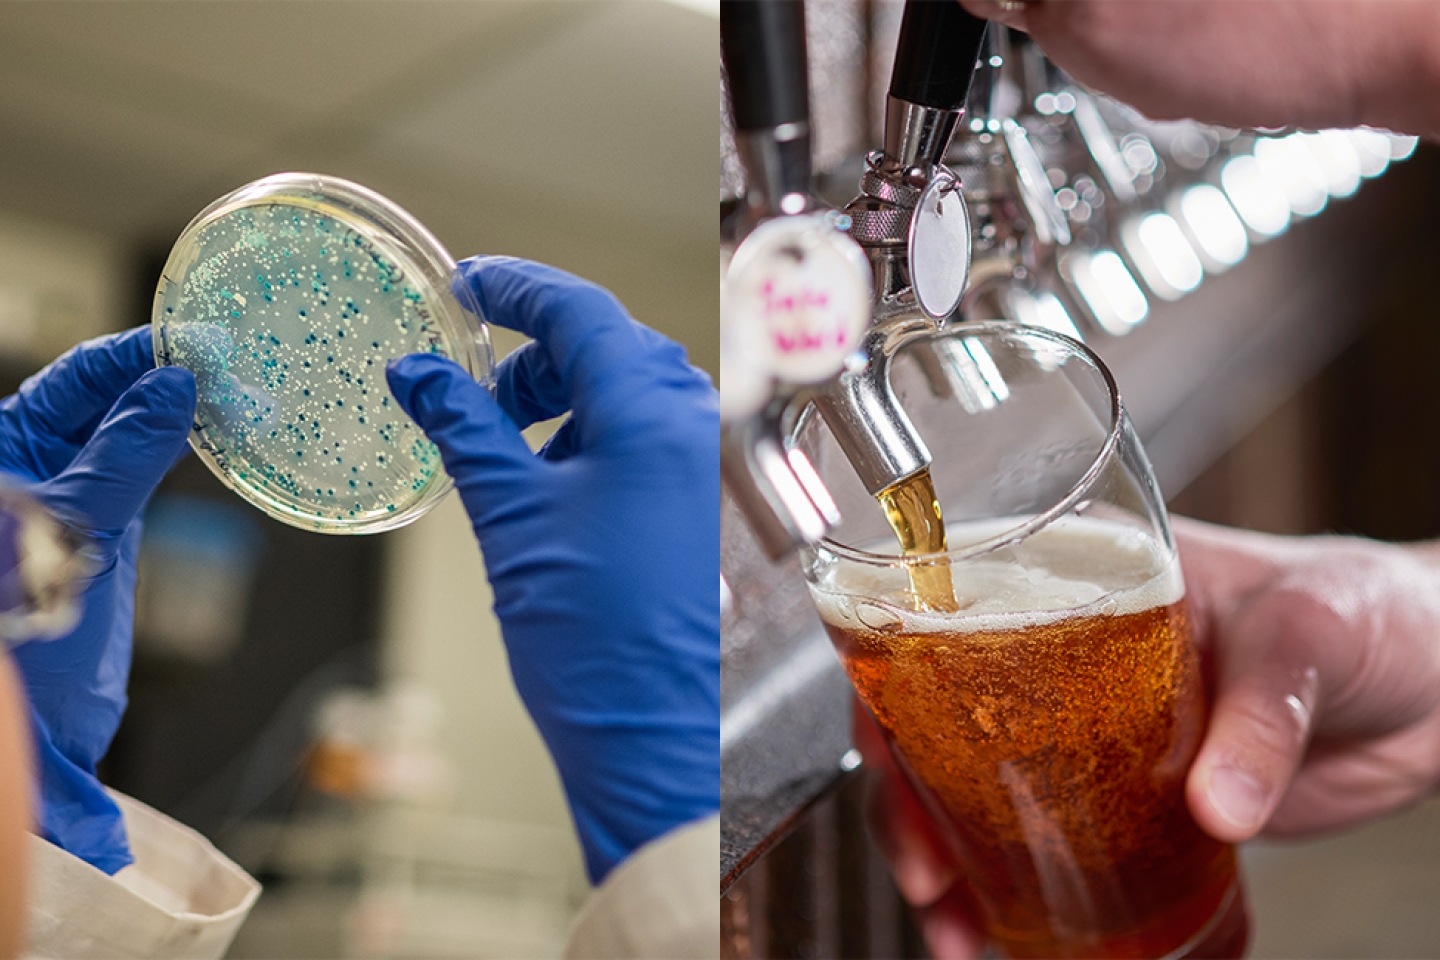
column 912, row 222
column 795, row 295
column 1148, row 236
column 1018, row 225
column 1098, row 190
column 762, row 47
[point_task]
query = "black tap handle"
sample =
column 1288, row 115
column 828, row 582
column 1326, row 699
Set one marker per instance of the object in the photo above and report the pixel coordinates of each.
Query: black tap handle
column 935, row 58
column 762, row 43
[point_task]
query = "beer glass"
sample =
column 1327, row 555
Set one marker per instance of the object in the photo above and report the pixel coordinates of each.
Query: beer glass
column 1037, row 680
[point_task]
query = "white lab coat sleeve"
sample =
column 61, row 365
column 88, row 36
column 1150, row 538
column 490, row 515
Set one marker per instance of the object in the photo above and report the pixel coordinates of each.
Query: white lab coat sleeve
column 181, row 898
column 663, row 901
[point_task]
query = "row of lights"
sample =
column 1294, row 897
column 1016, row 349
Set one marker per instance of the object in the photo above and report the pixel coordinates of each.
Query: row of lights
column 1202, row 228
column 1205, row 228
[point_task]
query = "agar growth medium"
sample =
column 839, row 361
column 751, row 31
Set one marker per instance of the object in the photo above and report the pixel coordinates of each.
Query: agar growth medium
column 286, row 299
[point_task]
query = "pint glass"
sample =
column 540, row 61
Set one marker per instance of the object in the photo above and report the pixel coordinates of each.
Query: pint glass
column 1048, row 711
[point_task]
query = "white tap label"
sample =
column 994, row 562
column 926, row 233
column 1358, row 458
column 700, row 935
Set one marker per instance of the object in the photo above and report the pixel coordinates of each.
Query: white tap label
column 803, row 287
column 746, row 383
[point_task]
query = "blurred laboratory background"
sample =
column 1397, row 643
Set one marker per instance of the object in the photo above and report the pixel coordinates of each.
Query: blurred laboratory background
column 1268, row 303
column 336, row 712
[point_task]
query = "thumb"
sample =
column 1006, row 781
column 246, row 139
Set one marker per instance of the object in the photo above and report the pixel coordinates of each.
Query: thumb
column 112, row 476
column 1268, row 691
column 480, row 445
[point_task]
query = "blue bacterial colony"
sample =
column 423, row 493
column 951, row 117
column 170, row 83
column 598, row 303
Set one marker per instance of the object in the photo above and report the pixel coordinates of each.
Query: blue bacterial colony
column 287, row 318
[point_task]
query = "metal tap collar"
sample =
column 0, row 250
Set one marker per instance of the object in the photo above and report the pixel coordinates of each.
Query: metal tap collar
column 874, row 184
column 926, row 222
column 881, row 214
column 916, row 138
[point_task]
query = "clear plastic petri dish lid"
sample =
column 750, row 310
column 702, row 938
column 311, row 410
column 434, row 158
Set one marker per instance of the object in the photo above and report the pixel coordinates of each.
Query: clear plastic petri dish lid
column 286, row 298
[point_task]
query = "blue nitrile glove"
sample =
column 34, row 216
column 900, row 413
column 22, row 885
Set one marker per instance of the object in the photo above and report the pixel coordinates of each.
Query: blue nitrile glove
column 92, row 434
column 603, row 549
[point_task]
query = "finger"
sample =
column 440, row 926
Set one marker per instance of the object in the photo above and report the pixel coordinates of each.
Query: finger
column 528, row 387
column 945, row 909
column 1268, row 692
column 1222, row 566
column 109, row 481
column 563, row 443
column 480, row 446
column 1340, row 786
column 599, row 355
column 902, row 832
column 949, row 926
column 57, row 409
column 899, row 823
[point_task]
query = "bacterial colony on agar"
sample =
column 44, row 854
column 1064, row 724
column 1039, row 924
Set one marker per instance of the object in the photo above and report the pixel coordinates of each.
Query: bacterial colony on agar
column 287, row 318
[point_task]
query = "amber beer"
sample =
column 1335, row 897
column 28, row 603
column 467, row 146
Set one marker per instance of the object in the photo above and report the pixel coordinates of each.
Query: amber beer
column 913, row 510
column 1050, row 722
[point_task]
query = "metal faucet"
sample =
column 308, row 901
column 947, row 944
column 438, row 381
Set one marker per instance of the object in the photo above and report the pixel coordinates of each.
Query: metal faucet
column 1018, row 225
column 794, row 295
column 912, row 222
column 1034, row 240
column 1117, row 172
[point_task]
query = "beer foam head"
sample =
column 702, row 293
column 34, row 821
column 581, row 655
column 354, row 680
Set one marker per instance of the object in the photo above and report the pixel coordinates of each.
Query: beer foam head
column 1076, row 564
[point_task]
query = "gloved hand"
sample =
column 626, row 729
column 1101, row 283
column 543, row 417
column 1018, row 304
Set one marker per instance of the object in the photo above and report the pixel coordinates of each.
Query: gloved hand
column 90, row 436
column 603, row 548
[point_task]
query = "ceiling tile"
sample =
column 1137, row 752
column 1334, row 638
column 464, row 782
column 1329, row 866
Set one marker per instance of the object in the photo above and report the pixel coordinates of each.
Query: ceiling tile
column 604, row 113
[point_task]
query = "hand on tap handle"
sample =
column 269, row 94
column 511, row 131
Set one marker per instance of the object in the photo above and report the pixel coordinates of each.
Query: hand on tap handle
column 1264, row 64
column 1325, row 659
column 935, row 58
column 936, row 54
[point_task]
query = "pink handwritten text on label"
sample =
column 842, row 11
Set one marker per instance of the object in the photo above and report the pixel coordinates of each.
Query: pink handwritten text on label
column 800, row 320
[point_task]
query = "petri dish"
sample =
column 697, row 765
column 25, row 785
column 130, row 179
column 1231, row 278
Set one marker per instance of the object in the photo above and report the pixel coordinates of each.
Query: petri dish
column 286, row 298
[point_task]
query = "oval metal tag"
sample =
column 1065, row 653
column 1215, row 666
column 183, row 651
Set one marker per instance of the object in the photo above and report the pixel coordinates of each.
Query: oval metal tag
column 940, row 246
column 805, row 287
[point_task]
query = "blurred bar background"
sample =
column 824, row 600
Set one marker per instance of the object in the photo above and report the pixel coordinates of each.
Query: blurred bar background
column 337, row 713
column 1266, row 301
